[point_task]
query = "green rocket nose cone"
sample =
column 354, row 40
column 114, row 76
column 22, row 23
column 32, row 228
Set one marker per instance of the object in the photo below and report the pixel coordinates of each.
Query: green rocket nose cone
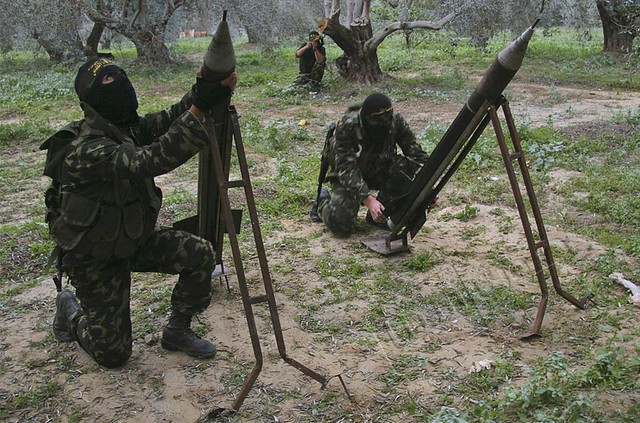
column 220, row 58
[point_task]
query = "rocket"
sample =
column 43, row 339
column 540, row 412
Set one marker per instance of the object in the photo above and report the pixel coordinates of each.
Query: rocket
column 465, row 129
column 220, row 58
column 218, row 63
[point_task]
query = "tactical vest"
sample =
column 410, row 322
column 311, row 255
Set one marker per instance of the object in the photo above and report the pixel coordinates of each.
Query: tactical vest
column 111, row 220
column 57, row 148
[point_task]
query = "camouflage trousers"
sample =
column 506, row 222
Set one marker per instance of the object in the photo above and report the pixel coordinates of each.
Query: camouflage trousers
column 103, row 327
column 316, row 75
column 339, row 211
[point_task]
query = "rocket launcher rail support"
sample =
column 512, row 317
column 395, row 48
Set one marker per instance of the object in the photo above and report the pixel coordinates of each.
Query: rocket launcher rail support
column 457, row 142
column 215, row 216
column 220, row 169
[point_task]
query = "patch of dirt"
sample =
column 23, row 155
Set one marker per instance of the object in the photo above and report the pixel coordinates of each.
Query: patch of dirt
column 565, row 107
column 160, row 386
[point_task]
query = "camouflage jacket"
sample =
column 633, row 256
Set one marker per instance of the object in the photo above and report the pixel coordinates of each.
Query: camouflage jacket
column 357, row 158
column 109, row 201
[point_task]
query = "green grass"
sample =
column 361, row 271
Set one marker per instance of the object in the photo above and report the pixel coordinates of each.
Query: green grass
column 389, row 300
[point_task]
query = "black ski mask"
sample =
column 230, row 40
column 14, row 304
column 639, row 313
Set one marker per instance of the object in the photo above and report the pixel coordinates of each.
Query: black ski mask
column 377, row 114
column 115, row 101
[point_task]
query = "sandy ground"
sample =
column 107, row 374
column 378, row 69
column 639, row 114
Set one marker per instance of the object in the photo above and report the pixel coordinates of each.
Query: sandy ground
column 160, row 386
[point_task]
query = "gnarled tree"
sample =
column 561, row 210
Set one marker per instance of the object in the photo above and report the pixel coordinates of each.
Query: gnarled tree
column 144, row 22
column 359, row 61
column 53, row 25
column 620, row 23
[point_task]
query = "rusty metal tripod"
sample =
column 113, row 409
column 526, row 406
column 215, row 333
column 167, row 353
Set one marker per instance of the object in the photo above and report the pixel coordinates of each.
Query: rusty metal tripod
column 448, row 160
column 220, row 166
column 542, row 243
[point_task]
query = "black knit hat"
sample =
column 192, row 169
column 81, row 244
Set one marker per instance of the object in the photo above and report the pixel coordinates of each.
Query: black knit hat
column 90, row 72
column 374, row 104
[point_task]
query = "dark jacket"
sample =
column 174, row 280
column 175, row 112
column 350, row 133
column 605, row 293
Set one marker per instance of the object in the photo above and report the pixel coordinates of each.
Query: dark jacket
column 358, row 160
column 110, row 202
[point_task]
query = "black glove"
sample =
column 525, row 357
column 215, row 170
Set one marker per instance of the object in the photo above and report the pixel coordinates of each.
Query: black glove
column 208, row 94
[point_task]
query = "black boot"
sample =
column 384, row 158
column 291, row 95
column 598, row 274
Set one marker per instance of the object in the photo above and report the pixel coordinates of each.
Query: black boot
column 313, row 213
column 178, row 336
column 67, row 307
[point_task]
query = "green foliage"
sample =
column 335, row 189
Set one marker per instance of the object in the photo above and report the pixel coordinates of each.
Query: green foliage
column 35, row 399
column 13, row 134
column 555, row 392
column 404, row 368
column 30, row 91
column 465, row 215
column 484, row 305
column 420, row 262
column 541, row 146
column 389, row 300
column 611, row 184
column 349, row 268
column 24, row 253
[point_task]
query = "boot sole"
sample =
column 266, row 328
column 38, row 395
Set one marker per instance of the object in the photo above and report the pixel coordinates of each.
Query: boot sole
column 170, row 347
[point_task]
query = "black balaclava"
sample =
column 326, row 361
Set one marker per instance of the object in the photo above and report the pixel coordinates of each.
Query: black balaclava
column 116, row 101
column 377, row 114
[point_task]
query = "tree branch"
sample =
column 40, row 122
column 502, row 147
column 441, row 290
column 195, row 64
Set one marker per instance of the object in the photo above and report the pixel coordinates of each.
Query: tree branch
column 338, row 33
column 138, row 12
column 335, row 7
column 405, row 10
column 359, row 13
column 379, row 37
column 100, row 14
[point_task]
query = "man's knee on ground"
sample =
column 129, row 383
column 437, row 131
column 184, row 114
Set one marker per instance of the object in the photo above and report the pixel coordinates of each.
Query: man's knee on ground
column 341, row 223
column 112, row 359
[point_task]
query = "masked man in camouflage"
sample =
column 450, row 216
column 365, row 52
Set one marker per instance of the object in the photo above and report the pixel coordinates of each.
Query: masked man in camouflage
column 108, row 210
column 363, row 157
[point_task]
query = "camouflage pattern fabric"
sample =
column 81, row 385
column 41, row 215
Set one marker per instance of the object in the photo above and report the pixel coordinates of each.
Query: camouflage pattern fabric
column 316, row 75
column 107, row 222
column 109, row 200
column 103, row 289
column 360, row 163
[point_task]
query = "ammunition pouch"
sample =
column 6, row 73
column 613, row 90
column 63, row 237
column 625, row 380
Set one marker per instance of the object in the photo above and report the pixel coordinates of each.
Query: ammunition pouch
column 77, row 216
column 101, row 230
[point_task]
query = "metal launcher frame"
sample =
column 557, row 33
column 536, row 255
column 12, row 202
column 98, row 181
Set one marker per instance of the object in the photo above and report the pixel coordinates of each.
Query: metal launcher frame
column 411, row 223
column 214, row 178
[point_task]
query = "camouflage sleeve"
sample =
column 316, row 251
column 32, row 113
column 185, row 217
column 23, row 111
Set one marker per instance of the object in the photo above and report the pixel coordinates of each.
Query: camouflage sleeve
column 346, row 152
column 407, row 141
column 153, row 125
column 102, row 158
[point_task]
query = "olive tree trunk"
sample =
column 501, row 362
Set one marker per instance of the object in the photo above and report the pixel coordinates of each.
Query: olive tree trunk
column 143, row 22
column 619, row 25
column 359, row 60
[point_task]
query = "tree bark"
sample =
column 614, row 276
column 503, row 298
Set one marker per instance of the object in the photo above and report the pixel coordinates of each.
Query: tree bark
column 359, row 61
column 147, row 34
column 150, row 47
column 357, row 64
column 69, row 51
column 617, row 29
column 93, row 40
